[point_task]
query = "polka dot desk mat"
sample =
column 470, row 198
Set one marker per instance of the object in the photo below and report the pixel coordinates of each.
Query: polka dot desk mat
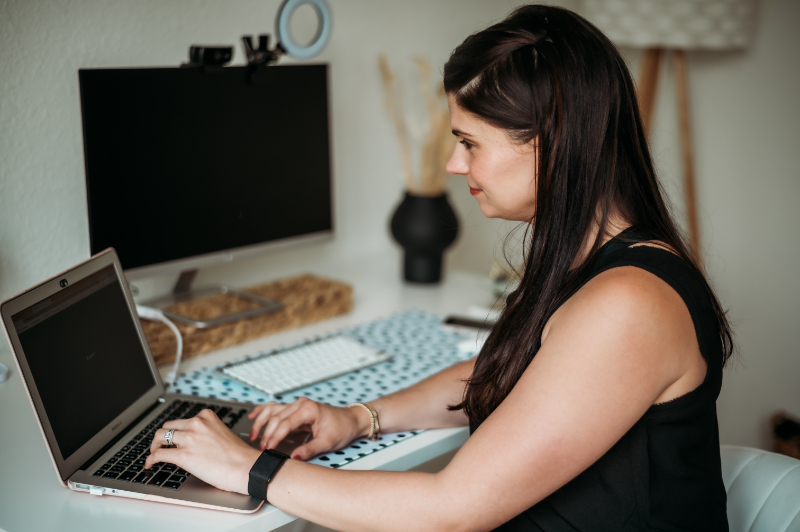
column 417, row 342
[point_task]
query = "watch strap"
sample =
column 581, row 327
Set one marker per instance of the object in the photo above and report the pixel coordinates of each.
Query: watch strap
column 263, row 471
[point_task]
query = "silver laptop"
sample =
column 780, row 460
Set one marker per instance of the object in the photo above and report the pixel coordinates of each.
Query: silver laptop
column 97, row 393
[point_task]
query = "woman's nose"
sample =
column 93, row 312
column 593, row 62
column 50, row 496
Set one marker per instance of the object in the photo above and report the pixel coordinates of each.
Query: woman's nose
column 456, row 165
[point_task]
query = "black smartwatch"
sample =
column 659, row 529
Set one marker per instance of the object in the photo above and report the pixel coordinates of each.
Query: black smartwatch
column 263, row 471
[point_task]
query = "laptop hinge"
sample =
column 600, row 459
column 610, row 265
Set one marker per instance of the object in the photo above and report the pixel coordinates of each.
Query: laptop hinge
column 119, row 436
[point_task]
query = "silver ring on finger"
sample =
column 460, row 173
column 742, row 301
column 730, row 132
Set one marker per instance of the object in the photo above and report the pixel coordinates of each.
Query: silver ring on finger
column 168, row 436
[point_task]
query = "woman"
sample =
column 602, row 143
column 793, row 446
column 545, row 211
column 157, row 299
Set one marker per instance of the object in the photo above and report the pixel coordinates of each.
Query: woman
column 592, row 403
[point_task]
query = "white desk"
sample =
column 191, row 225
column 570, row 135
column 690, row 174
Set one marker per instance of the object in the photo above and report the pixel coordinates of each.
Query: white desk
column 32, row 499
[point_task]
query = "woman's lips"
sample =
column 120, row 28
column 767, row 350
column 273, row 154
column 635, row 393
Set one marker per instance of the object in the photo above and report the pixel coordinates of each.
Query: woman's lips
column 474, row 191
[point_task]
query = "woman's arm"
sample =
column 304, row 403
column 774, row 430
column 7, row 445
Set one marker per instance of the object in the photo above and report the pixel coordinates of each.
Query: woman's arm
column 424, row 405
column 608, row 354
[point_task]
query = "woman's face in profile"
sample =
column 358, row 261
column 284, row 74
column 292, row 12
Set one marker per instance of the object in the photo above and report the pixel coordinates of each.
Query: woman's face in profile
column 501, row 174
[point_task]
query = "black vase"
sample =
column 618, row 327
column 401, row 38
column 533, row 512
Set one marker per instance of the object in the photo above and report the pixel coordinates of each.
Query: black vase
column 424, row 226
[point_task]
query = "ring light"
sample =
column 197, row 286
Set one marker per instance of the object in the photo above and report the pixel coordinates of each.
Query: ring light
column 323, row 32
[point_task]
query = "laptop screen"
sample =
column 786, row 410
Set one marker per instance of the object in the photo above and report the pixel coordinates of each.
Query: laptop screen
column 85, row 356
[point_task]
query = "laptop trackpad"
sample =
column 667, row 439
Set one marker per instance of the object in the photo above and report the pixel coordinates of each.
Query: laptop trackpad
column 294, row 440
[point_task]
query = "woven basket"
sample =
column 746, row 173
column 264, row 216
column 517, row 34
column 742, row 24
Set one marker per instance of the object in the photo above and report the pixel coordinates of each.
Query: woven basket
column 306, row 299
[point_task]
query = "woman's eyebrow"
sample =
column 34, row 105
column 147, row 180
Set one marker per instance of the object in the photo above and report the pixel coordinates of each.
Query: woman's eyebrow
column 459, row 133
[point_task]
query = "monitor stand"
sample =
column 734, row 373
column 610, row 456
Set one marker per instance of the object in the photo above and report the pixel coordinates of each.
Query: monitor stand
column 183, row 292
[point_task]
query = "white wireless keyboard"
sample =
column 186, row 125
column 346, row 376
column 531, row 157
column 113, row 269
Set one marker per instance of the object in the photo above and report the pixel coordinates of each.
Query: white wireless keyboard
column 286, row 370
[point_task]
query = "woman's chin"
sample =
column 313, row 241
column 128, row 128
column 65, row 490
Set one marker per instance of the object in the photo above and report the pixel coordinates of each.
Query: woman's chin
column 491, row 211
column 488, row 211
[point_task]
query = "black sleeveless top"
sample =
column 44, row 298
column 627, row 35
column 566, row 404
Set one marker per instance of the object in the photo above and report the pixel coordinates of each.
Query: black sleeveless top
column 665, row 472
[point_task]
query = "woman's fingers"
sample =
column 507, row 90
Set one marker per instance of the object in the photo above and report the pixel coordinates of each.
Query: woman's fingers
column 258, row 408
column 265, row 413
column 286, row 421
column 158, row 436
column 305, row 416
column 166, row 455
column 183, row 431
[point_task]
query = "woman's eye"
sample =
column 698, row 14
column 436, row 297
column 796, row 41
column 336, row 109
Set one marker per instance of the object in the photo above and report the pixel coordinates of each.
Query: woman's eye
column 466, row 144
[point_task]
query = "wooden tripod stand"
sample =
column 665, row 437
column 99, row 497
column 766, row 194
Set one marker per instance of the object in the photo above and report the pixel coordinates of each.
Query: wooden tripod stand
column 648, row 82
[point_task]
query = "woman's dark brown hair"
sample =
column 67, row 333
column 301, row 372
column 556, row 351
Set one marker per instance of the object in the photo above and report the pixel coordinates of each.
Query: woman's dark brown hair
column 545, row 73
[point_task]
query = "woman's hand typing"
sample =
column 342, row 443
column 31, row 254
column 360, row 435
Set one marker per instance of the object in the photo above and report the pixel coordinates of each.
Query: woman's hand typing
column 207, row 449
column 331, row 427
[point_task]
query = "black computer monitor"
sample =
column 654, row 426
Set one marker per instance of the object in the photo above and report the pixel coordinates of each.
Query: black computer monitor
column 188, row 167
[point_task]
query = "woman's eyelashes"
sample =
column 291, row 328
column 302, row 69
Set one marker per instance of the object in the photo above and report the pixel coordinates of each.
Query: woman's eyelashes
column 467, row 144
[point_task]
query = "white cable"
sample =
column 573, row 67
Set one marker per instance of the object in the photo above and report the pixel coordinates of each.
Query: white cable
column 154, row 314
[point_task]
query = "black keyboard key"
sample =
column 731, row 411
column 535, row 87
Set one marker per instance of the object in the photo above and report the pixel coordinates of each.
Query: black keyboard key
column 99, row 473
column 110, row 474
column 135, row 467
column 169, row 467
column 222, row 412
column 159, row 478
column 117, row 469
column 123, row 462
column 181, row 471
column 143, row 477
column 179, row 479
column 242, row 412
column 127, row 476
column 105, row 466
column 171, row 485
column 140, row 462
column 130, row 457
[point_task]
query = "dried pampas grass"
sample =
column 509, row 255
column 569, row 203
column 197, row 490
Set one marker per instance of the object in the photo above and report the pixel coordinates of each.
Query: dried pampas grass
column 439, row 141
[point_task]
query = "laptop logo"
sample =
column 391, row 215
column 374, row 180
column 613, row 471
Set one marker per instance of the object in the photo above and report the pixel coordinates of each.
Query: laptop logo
column 115, row 427
column 63, row 283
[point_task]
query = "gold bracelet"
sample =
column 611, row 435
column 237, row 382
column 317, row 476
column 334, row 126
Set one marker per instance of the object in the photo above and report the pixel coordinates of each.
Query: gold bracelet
column 374, row 426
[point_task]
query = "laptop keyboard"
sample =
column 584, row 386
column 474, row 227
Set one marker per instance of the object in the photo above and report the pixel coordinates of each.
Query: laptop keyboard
column 128, row 464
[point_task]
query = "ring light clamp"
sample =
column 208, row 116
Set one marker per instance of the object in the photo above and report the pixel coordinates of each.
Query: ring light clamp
column 285, row 35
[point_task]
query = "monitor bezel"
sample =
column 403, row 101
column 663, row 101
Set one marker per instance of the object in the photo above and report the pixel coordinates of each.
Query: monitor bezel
column 65, row 467
column 228, row 256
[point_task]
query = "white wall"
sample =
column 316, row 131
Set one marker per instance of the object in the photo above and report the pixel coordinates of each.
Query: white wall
column 746, row 125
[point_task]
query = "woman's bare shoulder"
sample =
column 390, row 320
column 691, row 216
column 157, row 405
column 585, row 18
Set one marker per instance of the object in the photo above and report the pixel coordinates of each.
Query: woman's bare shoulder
column 634, row 304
